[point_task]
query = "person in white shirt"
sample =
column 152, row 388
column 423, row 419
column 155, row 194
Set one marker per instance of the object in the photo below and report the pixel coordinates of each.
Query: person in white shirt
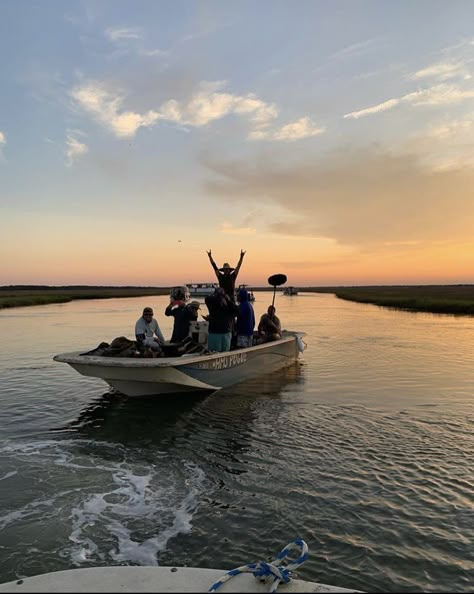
column 147, row 332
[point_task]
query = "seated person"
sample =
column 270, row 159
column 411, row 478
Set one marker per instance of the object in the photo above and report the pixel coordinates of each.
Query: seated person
column 269, row 327
column 148, row 333
column 183, row 315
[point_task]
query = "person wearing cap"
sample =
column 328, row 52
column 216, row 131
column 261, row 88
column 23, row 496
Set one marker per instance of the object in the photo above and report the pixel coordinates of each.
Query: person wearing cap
column 183, row 315
column 227, row 275
column 148, row 333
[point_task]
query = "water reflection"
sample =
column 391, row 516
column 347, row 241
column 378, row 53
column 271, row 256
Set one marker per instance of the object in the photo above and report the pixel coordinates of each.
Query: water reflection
column 165, row 419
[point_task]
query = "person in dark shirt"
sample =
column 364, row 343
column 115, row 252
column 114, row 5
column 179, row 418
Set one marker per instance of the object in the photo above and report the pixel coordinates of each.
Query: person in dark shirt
column 222, row 312
column 269, row 327
column 183, row 315
column 227, row 275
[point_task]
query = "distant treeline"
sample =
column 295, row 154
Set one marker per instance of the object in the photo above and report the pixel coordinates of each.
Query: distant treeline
column 452, row 299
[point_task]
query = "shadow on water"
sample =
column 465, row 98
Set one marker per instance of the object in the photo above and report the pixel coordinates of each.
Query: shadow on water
column 137, row 421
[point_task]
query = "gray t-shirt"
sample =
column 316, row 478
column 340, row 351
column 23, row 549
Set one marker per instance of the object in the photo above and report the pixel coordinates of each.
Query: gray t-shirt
column 149, row 329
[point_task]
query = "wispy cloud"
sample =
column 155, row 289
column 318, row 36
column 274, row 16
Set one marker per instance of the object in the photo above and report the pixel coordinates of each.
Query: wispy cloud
column 3, row 142
column 437, row 95
column 74, row 148
column 442, row 71
column 297, row 130
column 229, row 229
column 354, row 49
column 207, row 104
column 115, row 34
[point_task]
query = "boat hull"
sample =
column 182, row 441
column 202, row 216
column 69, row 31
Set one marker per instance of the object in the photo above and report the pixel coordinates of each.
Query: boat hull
column 188, row 373
column 151, row 579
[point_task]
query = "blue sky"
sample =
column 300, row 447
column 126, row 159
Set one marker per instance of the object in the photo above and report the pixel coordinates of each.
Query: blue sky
column 331, row 140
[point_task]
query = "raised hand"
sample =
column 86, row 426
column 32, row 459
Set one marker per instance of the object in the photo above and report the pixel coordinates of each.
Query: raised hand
column 209, row 253
column 242, row 253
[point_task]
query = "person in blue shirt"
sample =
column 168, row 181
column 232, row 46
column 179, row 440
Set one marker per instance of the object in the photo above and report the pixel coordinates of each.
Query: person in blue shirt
column 245, row 320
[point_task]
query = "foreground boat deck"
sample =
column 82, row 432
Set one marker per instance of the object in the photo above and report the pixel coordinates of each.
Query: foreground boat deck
column 153, row 579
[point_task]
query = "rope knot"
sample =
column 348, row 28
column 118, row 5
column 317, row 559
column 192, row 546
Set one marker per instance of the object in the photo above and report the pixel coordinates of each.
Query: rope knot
column 263, row 570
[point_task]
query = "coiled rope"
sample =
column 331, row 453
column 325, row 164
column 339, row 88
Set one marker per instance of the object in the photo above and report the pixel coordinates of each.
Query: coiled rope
column 263, row 571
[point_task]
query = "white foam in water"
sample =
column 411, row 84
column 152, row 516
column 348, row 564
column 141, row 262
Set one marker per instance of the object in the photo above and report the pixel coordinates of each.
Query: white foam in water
column 163, row 509
column 120, row 507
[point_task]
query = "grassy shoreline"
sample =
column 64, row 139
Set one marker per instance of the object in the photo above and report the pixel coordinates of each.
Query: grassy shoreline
column 445, row 299
column 448, row 299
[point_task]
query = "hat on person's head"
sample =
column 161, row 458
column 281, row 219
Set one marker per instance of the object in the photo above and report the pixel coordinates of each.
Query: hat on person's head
column 226, row 266
column 147, row 310
column 195, row 304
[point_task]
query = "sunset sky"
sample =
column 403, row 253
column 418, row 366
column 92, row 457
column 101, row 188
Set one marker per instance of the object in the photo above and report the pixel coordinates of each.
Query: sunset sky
column 333, row 141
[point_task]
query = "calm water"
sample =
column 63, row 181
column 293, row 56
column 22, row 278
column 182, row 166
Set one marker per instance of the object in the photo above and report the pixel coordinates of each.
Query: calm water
column 364, row 449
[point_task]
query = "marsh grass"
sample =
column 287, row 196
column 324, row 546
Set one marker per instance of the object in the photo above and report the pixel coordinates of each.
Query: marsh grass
column 450, row 299
column 34, row 295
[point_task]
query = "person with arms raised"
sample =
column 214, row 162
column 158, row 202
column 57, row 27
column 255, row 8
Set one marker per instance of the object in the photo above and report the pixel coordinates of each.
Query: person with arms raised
column 227, row 275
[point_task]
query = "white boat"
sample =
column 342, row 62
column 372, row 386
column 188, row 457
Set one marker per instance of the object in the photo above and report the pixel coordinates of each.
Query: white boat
column 201, row 289
column 151, row 579
column 253, row 577
column 201, row 372
column 290, row 291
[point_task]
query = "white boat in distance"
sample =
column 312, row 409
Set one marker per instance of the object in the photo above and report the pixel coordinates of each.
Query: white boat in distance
column 201, row 289
column 207, row 372
column 290, row 291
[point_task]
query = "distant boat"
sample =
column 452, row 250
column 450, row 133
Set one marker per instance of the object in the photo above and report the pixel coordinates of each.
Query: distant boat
column 290, row 291
column 249, row 291
column 201, row 289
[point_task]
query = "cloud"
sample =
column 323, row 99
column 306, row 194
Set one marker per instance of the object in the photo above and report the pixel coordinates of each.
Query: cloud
column 441, row 94
column 374, row 109
column 3, row 142
column 446, row 144
column 302, row 128
column 208, row 104
column 75, row 149
column 105, row 107
column 229, row 229
column 441, row 71
column 356, row 198
column 205, row 105
column 116, row 34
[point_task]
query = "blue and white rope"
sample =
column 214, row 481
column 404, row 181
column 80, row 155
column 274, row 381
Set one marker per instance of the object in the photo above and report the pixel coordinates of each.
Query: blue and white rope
column 264, row 571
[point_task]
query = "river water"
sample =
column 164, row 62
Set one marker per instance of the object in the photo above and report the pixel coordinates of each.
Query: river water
column 364, row 449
